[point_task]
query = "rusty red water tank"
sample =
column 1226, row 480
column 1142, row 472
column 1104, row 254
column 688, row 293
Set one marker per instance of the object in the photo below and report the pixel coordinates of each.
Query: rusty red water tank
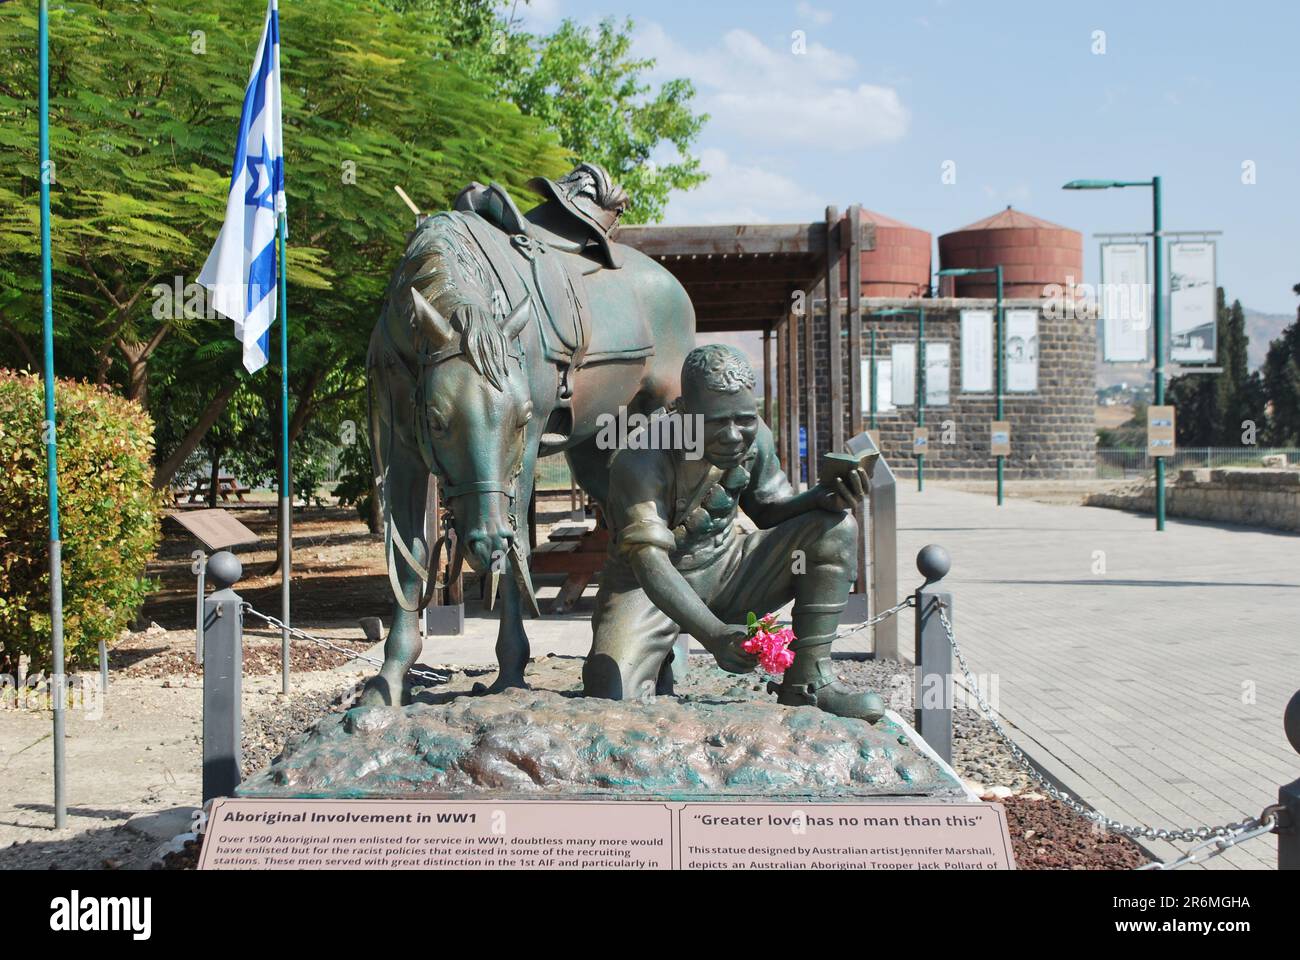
column 1034, row 254
column 899, row 266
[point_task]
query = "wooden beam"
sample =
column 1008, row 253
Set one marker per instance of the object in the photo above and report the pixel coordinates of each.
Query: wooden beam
column 782, row 399
column 792, row 359
column 798, row 269
column 855, row 319
column 733, row 324
column 767, row 376
column 835, row 250
column 739, row 238
column 855, row 377
column 810, row 384
column 737, row 291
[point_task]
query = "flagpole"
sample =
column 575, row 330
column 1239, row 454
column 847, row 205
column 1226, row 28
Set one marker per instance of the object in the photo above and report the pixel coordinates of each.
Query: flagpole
column 57, row 692
column 286, row 492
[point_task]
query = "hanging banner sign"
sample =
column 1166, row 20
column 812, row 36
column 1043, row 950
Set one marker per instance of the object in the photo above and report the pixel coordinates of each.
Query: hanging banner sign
column 1160, row 431
column 884, row 383
column 903, row 358
column 1192, row 312
column 1022, row 351
column 1124, row 301
column 977, row 351
column 938, row 373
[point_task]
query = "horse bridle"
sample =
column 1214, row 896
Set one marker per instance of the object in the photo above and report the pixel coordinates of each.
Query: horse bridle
column 424, row 440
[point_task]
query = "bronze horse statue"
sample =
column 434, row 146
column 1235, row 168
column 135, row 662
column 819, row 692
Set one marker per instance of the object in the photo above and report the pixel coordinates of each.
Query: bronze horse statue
column 505, row 337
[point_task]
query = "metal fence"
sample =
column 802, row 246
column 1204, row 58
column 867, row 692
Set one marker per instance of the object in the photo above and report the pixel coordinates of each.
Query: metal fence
column 1119, row 463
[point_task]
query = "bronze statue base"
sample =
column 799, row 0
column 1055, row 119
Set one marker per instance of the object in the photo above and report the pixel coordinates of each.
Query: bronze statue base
column 721, row 736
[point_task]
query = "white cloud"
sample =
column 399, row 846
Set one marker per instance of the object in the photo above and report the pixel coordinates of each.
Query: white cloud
column 539, row 16
column 819, row 17
column 741, row 193
column 771, row 96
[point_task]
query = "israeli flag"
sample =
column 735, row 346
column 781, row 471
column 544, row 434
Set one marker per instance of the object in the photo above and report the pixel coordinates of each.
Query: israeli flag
column 240, row 271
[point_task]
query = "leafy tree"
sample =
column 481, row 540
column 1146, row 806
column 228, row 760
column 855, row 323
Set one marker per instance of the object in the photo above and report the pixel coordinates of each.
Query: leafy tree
column 1212, row 408
column 585, row 85
column 1282, row 385
column 145, row 100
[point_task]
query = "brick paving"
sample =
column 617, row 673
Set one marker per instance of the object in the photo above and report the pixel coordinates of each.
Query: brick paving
column 1148, row 672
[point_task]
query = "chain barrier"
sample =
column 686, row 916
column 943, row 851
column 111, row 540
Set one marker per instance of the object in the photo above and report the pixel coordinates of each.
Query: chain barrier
column 352, row 654
column 909, row 601
column 1221, row 838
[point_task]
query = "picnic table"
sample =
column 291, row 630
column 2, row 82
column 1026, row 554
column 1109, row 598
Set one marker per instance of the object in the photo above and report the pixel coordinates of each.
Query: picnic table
column 227, row 487
column 577, row 549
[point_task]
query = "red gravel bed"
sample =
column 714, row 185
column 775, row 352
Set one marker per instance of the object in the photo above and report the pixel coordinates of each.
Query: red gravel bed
column 1048, row 835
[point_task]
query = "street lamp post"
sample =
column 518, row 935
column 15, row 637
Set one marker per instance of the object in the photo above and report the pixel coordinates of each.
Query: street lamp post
column 1001, row 352
column 919, row 313
column 1158, row 362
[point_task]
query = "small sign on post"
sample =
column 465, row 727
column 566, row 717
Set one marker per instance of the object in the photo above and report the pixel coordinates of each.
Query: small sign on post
column 1160, row 431
column 216, row 530
column 1000, row 438
column 920, row 440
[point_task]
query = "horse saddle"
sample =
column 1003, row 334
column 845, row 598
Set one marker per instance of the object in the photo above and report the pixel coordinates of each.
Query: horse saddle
column 528, row 261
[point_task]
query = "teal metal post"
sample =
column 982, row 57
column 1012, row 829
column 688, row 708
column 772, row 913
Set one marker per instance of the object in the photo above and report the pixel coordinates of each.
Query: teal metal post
column 1158, row 260
column 58, row 692
column 920, row 394
column 1002, row 354
column 286, row 492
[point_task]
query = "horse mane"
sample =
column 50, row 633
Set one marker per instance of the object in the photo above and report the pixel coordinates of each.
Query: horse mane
column 444, row 265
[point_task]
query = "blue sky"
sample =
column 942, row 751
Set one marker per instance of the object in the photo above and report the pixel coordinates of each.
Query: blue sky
column 1013, row 94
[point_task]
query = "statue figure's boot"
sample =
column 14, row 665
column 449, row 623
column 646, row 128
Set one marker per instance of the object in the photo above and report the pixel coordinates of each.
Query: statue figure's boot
column 811, row 681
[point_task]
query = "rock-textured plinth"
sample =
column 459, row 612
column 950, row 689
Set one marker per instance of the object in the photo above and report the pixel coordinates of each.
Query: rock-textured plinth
column 545, row 742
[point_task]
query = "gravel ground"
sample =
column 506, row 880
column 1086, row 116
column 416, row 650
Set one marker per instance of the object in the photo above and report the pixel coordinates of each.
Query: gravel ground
column 155, row 654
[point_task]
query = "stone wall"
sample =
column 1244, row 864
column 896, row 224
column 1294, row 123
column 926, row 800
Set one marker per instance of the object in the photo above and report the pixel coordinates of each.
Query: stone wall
column 1250, row 497
column 1053, row 429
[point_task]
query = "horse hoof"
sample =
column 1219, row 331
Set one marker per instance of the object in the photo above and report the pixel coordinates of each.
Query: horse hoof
column 378, row 692
column 498, row 685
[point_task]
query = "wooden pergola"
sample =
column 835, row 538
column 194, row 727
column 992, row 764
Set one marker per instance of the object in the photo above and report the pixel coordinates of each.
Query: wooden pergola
column 766, row 277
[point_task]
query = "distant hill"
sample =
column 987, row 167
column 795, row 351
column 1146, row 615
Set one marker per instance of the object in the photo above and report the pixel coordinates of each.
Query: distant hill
column 1261, row 328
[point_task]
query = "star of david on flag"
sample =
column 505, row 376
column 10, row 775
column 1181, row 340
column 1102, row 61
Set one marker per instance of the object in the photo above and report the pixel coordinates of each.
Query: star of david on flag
column 240, row 272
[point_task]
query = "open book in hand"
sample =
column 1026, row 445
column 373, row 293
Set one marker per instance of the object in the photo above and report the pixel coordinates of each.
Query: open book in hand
column 860, row 451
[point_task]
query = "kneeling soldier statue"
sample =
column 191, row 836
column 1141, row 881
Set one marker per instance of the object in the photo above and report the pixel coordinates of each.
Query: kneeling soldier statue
column 677, row 562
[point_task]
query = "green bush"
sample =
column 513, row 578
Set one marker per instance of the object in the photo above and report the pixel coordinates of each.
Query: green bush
column 109, row 517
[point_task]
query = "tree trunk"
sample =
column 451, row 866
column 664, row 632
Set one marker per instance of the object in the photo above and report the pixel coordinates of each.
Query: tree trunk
column 215, row 408
column 303, row 408
column 25, row 349
column 216, row 473
column 375, row 520
column 137, row 373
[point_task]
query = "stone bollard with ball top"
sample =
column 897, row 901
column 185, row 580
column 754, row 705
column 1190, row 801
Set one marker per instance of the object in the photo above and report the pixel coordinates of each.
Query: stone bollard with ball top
column 933, row 696
column 223, row 663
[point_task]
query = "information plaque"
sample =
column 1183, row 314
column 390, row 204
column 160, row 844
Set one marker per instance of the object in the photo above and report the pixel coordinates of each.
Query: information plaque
column 253, row 834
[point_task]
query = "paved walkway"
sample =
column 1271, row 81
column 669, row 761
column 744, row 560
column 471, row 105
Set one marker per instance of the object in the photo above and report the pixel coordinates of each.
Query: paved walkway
column 1153, row 685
